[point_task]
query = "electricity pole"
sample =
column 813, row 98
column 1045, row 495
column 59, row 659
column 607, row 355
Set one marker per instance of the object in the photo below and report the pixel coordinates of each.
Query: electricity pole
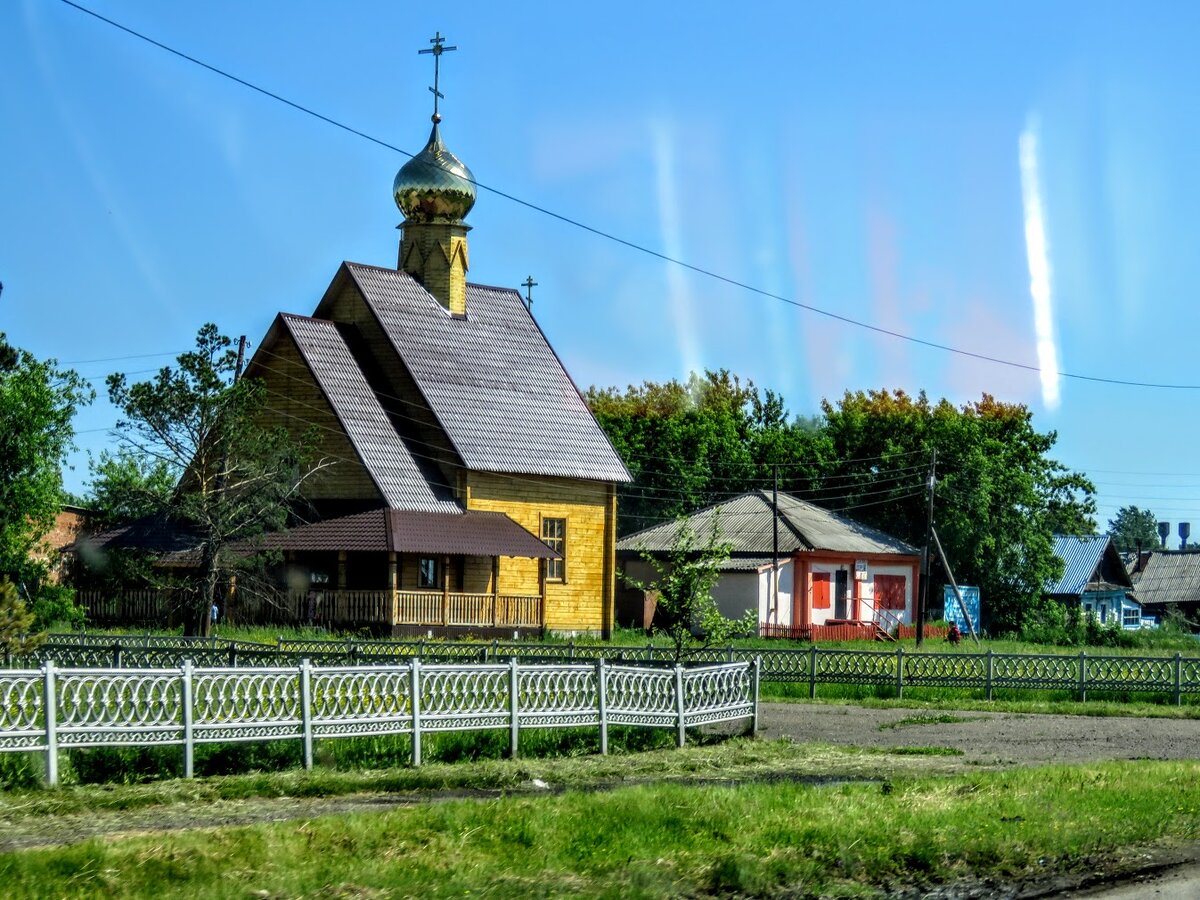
column 237, row 373
column 923, row 598
column 775, row 546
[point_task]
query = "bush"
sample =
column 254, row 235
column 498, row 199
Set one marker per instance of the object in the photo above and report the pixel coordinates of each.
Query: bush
column 54, row 607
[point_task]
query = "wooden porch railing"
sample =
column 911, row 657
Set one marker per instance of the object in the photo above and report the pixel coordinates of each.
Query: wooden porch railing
column 330, row 607
column 150, row 607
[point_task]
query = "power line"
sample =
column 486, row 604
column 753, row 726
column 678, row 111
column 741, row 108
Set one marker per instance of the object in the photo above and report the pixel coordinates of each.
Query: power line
column 632, row 245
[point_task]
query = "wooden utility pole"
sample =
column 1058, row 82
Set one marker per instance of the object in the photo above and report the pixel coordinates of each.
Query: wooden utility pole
column 926, row 568
column 241, row 360
column 775, row 546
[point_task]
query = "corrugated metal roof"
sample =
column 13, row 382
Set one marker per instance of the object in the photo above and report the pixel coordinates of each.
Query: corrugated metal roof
column 1081, row 556
column 387, row 458
column 745, row 522
column 491, row 379
column 473, row 533
column 1084, row 558
column 1169, row 577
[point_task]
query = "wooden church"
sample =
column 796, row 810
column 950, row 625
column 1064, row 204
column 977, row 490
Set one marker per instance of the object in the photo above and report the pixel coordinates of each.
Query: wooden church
column 472, row 490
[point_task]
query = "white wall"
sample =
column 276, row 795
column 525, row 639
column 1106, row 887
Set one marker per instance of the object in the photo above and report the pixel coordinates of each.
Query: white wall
column 866, row 591
column 738, row 592
column 783, row 614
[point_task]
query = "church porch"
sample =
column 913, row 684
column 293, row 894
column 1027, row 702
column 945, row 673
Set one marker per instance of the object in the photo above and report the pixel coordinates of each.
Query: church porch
column 402, row 593
column 403, row 572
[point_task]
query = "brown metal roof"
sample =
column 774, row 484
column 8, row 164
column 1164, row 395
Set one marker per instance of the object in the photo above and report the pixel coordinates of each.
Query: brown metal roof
column 472, row 533
column 495, row 385
column 171, row 543
column 399, row 475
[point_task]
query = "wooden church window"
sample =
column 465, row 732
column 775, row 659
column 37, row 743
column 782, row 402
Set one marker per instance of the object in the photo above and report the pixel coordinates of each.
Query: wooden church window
column 554, row 533
column 427, row 572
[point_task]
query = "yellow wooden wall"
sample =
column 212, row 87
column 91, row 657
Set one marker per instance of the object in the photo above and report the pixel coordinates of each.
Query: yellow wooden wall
column 584, row 600
column 295, row 401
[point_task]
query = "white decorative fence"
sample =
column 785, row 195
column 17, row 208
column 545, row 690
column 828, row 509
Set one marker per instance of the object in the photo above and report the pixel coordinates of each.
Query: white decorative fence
column 49, row 709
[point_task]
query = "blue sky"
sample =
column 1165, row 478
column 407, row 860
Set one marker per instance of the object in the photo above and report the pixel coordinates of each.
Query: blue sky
column 929, row 168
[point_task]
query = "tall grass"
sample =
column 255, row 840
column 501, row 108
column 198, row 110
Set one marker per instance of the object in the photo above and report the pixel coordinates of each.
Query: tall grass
column 660, row 841
column 136, row 765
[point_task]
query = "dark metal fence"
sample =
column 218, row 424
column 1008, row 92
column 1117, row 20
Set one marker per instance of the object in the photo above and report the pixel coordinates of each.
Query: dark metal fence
column 893, row 671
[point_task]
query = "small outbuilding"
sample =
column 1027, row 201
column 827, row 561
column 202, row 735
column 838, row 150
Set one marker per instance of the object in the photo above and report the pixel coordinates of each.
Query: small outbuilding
column 809, row 572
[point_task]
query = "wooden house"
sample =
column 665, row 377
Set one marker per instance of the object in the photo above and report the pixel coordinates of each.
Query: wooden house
column 832, row 578
column 1095, row 580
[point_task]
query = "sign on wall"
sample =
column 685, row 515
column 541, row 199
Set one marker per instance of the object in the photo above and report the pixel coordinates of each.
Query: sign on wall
column 953, row 614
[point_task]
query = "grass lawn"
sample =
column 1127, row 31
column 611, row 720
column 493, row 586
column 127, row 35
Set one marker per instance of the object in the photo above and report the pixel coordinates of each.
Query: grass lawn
column 661, row 840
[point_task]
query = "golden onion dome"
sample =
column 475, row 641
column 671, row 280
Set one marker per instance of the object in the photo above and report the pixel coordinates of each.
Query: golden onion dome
column 434, row 186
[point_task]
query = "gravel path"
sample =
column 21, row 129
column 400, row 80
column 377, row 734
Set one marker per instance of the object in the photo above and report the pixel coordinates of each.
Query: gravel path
column 994, row 739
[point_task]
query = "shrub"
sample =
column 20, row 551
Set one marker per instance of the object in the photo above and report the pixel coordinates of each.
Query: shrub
column 54, row 607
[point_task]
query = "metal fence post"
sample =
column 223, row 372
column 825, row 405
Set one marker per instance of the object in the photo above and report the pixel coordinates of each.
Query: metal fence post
column 414, row 666
column 232, row 654
column 729, row 653
column 899, row 673
column 812, row 672
column 1178, row 682
column 1082, row 676
column 571, row 648
column 757, row 669
column 602, row 703
column 990, row 674
column 681, row 737
column 306, row 711
column 50, row 709
column 514, row 712
column 116, row 654
column 189, row 747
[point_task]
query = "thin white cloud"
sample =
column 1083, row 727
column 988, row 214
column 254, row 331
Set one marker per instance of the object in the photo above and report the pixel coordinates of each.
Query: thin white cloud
column 1038, row 252
column 679, row 300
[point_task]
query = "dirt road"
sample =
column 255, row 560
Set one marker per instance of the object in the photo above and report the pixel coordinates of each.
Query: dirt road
column 991, row 739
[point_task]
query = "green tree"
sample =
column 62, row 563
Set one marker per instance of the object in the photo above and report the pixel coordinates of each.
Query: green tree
column 37, row 406
column 238, row 477
column 16, row 623
column 127, row 485
column 1133, row 527
column 694, row 444
column 1000, row 497
column 687, row 613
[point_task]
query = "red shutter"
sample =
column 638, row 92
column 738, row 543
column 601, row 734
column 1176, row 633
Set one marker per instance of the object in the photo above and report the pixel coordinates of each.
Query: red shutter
column 889, row 591
column 821, row 582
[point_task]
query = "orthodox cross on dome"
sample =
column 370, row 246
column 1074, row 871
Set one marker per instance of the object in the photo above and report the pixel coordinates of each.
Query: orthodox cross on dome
column 529, row 284
column 437, row 50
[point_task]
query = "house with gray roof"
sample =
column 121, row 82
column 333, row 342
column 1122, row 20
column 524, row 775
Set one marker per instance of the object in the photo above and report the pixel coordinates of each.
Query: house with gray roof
column 467, row 486
column 802, row 567
column 1167, row 582
column 1095, row 580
